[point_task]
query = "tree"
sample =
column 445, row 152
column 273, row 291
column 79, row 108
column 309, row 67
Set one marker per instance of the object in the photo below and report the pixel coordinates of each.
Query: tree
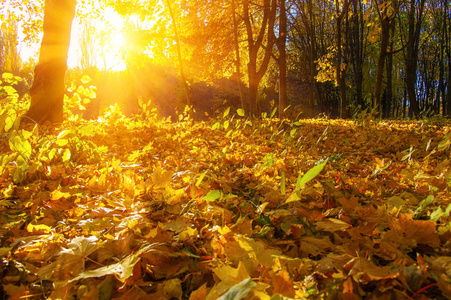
column 357, row 47
column 9, row 57
column 179, row 53
column 415, row 19
column 257, row 47
column 386, row 12
column 341, row 57
column 47, row 92
column 237, row 55
column 281, row 42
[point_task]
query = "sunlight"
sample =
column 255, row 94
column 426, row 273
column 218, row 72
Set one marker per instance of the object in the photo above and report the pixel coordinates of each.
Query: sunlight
column 108, row 44
column 118, row 40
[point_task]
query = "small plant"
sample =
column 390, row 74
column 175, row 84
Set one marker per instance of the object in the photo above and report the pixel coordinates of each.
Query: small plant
column 17, row 162
column 81, row 96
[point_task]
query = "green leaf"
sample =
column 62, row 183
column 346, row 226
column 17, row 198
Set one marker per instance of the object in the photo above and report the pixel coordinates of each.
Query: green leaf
column 273, row 112
column 438, row 213
column 264, row 219
column 226, row 113
column 282, row 183
column 226, row 124
column 213, row 195
column 199, row 180
column 312, row 173
column 241, row 112
column 22, row 146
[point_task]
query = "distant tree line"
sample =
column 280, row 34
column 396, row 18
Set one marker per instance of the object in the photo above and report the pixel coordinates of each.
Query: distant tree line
column 339, row 58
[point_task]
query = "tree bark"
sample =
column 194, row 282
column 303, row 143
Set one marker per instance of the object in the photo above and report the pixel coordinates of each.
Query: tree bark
column 356, row 49
column 237, row 57
column 256, row 73
column 340, row 70
column 179, row 55
column 281, row 46
column 47, row 91
column 412, row 49
column 385, row 21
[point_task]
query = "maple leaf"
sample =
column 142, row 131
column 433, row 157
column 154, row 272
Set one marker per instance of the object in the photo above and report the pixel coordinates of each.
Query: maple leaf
column 408, row 233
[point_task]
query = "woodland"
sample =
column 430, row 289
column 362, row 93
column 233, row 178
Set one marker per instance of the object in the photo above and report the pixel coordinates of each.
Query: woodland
column 236, row 149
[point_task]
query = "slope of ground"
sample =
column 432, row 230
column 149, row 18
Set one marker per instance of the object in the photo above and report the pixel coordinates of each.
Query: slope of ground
column 126, row 209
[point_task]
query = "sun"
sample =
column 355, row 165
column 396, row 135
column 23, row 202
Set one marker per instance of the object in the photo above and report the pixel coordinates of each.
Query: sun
column 118, row 40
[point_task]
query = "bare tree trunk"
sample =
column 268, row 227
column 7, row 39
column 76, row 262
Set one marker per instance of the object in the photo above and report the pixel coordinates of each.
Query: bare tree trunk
column 357, row 49
column 281, row 46
column 412, row 54
column 388, row 104
column 237, row 55
column 447, row 97
column 341, row 67
column 179, row 55
column 385, row 21
column 256, row 74
column 47, row 92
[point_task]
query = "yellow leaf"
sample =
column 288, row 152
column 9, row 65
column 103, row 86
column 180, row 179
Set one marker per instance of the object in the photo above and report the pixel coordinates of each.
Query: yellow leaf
column 39, row 228
column 132, row 223
column 57, row 194
column 188, row 233
column 332, row 225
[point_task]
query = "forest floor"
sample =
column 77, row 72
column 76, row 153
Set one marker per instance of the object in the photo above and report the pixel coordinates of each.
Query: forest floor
column 229, row 209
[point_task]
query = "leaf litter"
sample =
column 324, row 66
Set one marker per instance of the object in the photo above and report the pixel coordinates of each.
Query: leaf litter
column 229, row 209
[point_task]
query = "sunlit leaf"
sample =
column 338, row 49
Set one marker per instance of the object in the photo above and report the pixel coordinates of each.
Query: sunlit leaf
column 39, row 228
column 226, row 112
column 57, row 195
column 273, row 113
column 199, row 180
column 62, row 142
column 213, row 195
column 241, row 112
column 9, row 122
column 66, row 155
column 332, row 225
column 239, row 290
column 310, row 174
column 85, row 79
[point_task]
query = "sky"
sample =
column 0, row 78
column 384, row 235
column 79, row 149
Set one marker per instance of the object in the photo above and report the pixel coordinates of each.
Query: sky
column 112, row 21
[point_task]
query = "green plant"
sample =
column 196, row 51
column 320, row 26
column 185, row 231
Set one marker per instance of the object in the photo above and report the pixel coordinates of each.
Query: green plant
column 81, row 95
column 17, row 162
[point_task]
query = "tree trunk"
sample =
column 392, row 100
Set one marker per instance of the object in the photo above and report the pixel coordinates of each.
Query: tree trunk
column 179, row 55
column 237, row 57
column 47, row 92
column 256, row 74
column 447, row 38
column 356, row 50
column 412, row 55
column 385, row 37
column 386, row 110
column 341, row 74
column 281, row 46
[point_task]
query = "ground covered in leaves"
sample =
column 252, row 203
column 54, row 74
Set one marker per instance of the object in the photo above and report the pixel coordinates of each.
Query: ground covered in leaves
column 132, row 209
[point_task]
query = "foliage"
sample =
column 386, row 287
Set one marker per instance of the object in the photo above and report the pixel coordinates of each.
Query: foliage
column 144, row 208
column 81, row 96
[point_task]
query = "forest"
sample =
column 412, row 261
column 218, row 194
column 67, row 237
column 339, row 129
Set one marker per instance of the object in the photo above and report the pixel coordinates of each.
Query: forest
column 230, row 149
column 337, row 58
